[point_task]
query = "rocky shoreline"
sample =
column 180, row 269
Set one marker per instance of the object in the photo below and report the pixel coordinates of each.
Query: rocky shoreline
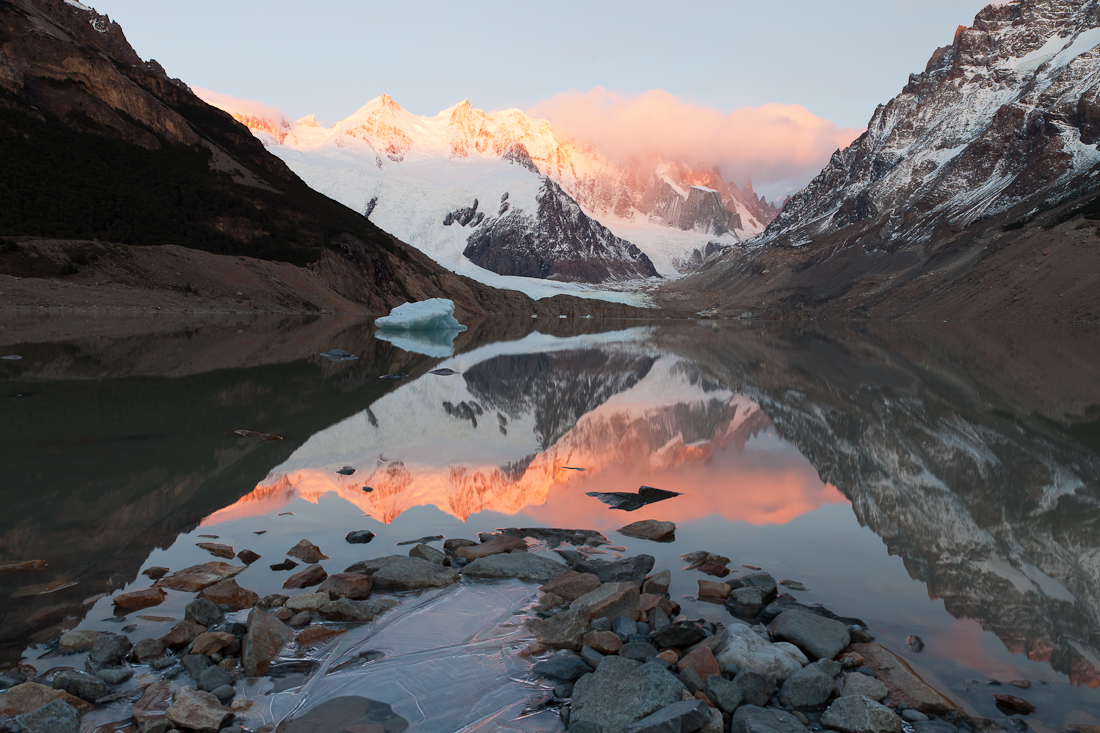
column 609, row 642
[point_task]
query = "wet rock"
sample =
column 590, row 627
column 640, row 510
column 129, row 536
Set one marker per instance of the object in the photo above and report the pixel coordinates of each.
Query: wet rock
column 494, row 546
column 300, row 619
column 312, row 575
column 203, row 611
column 225, row 694
column 197, row 577
column 266, row 636
column 632, row 569
column 110, row 649
column 307, row 601
column 712, row 568
column 680, row 717
column 861, row 684
column 422, row 540
column 314, row 634
column 605, row 642
column 520, row 565
column 859, row 714
column 565, row 630
column 228, row 593
column 726, row 694
column 571, row 585
column 248, row 556
column 701, row 659
column 717, row 723
column 53, row 717
column 600, row 623
column 658, row 583
column 218, row 550
column 452, row 545
column 764, row 582
column 564, row 691
column 153, row 703
column 691, row 680
column 819, row 637
column 30, row 696
column 410, row 573
column 115, row 675
column 745, row 602
column 753, row 719
column 650, row 529
column 745, row 649
column 1014, row 703
column 679, row 635
column 307, row 552
column 83, row 685
column 371, row 566
column 905, row 685
column 613, row 600
column 658, row 618
column 195, row 709
column 77, row 641
column 622, row 691
column 210, row 642
column 701, row 557
column 429, row 553
column 942, row 726
column 345, row 609
column 155, row 573
column 182, row 634
column 138, row 599
column 563, row 668
column 195, row 664
column 639, row 651
column 808, row 688
column 756, row 688
column 212, row 678
column 713, row 589
column 359, row 537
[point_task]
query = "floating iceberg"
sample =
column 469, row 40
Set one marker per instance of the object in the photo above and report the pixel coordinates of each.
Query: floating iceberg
column 436, row 314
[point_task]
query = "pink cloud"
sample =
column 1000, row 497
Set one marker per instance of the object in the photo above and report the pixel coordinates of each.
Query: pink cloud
column 779, row 146
column 242, row 107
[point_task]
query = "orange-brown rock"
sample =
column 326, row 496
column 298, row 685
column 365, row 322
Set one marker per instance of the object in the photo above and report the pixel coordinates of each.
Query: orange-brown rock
column 138, row 599
column 904, row 684
column 657, row 584
column 669, row 655
column 211, row 641
column 702, row 660
column 30, row 696
column 218, row 550
column 605, row 642
column 153, row 703
column 571, row 585
column 648, row 602
column 314, row 634
column 613, row 600
column 182, row 634
column 533, row 649
column 494, row 546
column 197, row 577
column 700, row 695
column 713, row 589
column 307, row 552
column 230, row 594
column 312, row 575
column 355, row 586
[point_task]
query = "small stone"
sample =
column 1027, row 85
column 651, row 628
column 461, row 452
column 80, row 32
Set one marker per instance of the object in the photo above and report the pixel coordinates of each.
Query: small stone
column 605, row 642
column 453, row 544
column 603, row 623
column 307, row 552
column 83, row 685
column 429, row 553
column 271, row 601
column 850, row 660
column 762, row 581
column 212, row 678
column 807, row 688
column 701, row 659
column 308, row 601
column 197, row 710
column 624, row 627
column 913, row 716
column 658, row 583
column 115, row 675
column 726, row 694
column 313, row 575
column 359, row 537
column 494, row 546
column 138, row 599
column 712, row 589
column 287, row 564
column 571, row 585
column 155, row 573
column 78, row 641
column 562, row 668
column 859, row 714
column 613, row 600
column 345, row 609
column 284, row 614
column 110, row 649
column 55, row 716
column 713, row 568
column 1022, row 684
column 203, row 611
column 638, row 651
column 225, row 693
column 197, row 577
column 153, row 703
column 650, row 529
column 195, row 664
column 691, row 680
column 647, row 602
column 859, row 684
column 679, row 635
column 819, row 637
column 218, row 550
column 745, row 602
column 1016, row 704
column 668, row 656
column 591, row 657
column 266, row 636
column 210, row 642
column 300, row 619
column 228, row 593
column 564, row 630
column 182, row 634
column 248, row 556
column 564, row 691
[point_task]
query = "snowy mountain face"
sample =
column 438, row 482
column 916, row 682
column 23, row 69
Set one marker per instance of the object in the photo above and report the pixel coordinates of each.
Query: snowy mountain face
column 411, row 171
column 1006, row 116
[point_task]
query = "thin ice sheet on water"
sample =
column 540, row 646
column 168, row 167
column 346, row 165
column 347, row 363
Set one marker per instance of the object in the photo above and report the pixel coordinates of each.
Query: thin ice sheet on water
column 11, row 357
column 434, row 314
column 450, row 665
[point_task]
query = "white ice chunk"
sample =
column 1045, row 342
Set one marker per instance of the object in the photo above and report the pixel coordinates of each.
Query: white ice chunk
column 435, row 314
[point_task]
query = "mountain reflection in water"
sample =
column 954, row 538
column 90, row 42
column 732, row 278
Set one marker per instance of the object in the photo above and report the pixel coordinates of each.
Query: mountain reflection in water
column 972, row 452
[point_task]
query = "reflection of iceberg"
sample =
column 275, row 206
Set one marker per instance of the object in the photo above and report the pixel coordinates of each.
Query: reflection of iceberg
column 426, row 315
column 438, row 344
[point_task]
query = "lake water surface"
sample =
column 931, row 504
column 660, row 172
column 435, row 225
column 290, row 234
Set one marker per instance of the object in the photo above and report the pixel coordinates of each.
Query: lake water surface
column 938, row 480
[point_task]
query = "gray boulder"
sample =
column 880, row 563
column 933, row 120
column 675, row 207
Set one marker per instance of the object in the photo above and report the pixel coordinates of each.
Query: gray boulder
column 564, row 630
column 724, row 693
column 632, row 569
column 680, row 717
column 639, row 651
column 756, row 687
column 753, row 719
column 761, row 581
column 115, row 675
column 809, row 687
column 212, row 678
column 622, row 691
column 411, row 573
column 818, row 637
column 859, row 714
column 565, row 668
column 110, row 649
column 745, row 602
column 520, row 565
column 203, row 612
column 371, row 566
column 53, row 717
column 861, row 684
column 679, row 635
column 84, row 686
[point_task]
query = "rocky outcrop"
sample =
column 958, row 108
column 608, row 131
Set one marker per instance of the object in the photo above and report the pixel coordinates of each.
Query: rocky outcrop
column 556, row 242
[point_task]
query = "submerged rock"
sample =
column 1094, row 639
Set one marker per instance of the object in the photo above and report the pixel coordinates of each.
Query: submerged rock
column 632, row 569
column 345, row 715
column 138, row 599
column 312, row 575
column 197, row 577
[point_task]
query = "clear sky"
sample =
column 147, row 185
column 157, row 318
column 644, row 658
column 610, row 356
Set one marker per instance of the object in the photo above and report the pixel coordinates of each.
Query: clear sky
column 837, row 59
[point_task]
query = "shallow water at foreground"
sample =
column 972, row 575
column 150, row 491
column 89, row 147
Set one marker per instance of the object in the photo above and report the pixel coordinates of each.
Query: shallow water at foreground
column 933, row 480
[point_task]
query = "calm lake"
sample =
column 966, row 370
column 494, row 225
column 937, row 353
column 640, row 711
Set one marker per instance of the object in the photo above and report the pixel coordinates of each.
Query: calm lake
column 937, row 480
